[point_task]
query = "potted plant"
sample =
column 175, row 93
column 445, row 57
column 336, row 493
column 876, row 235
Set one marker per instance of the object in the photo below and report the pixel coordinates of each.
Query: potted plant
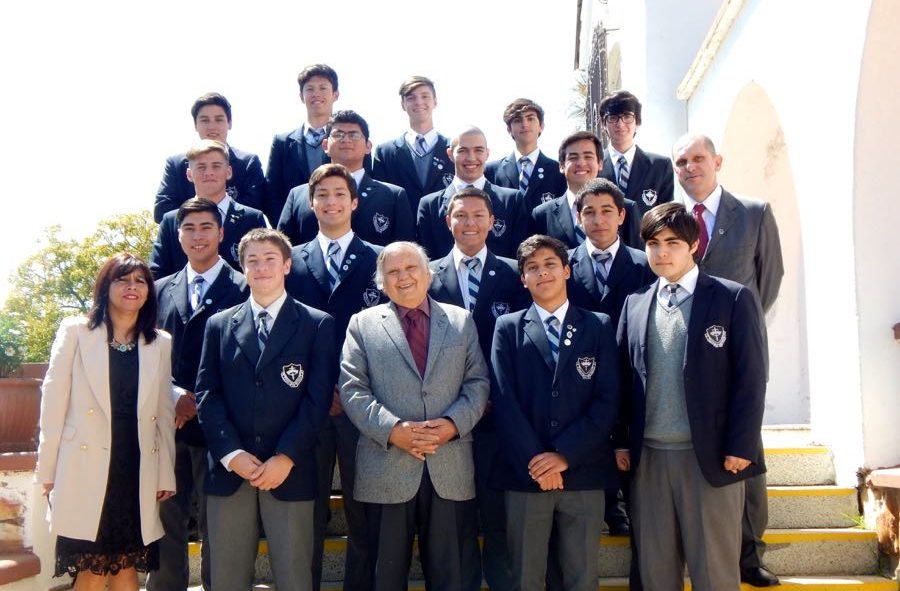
column 20, row 398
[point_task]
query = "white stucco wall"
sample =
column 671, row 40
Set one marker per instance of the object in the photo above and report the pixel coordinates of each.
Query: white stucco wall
column 807, row 59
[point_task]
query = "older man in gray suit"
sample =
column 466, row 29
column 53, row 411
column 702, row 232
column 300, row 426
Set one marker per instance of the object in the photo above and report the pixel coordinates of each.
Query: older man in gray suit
column 415, row 383
column 738, row 241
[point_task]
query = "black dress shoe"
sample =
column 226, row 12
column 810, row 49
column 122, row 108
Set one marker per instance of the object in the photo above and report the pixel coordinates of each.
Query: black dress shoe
column 759, row 577
column 620, row 529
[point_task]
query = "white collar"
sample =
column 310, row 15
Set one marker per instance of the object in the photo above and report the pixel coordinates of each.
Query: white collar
column 344, row 242
column 358, row 175
column 560, row 314
column 615, row 154
column 209, row 275
column 688, row 281
column 431, row 137
column 711, row 203
column 613, row 249
column 273, row 309
column 533, row 156
column 460, row 184
column 307, row 126
column 458, row 256
column 224, row 205
column 570, row 199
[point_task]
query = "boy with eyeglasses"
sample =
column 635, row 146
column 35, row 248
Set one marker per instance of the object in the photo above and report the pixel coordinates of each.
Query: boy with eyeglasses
column 644, row 177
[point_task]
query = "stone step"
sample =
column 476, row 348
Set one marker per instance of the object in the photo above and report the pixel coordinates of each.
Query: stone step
column 789, row 507
column 806, row 465
column 802, row 552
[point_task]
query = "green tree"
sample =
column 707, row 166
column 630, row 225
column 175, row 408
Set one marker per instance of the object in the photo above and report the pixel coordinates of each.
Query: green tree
column 57, row 281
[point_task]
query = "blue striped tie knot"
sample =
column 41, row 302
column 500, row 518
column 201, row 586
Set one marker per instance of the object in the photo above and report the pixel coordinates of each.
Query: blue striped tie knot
column 553, row 336
column 473, row 264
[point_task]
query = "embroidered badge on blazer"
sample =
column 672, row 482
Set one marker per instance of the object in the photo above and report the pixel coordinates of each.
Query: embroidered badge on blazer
column 548, row 196
column 292, row 374
column 370, row 297
column 586, row 367
column 499, row 228
column 233, row 251
column 648, row 196
column 447, row 178
column 381, row 222
column 716, row 335
column 499, row 309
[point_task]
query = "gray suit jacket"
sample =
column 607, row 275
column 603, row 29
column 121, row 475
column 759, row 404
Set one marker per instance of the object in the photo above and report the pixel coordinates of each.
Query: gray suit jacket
column 744, row 247
column 380, row 386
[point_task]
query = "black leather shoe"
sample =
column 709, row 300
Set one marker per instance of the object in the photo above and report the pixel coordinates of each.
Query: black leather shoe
column 759, row 577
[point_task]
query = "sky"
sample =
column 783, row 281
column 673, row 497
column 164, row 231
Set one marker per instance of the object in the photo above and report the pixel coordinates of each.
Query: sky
column 97, row 94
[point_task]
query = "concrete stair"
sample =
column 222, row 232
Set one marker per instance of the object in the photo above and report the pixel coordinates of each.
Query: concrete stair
column 812, row 541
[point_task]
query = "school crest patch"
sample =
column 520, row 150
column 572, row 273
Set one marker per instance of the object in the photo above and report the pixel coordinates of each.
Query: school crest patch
column 381, row 222
column 292, row 374
column 499, row 309
column 234, row 252
column 447, row 178
column 648, row 196
column 499, row 228
column 370, row 297
column 716, row 335
column 547, row 197
column 586, row 367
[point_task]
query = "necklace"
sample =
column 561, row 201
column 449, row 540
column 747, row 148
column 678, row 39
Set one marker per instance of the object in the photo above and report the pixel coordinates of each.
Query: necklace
column 121, row 347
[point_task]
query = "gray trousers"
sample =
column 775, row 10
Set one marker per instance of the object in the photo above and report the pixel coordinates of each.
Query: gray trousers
column 578, row 519
column 233, row 523
column 756, row 519
column 678, row 516
column 175, row 514
column 491, row 518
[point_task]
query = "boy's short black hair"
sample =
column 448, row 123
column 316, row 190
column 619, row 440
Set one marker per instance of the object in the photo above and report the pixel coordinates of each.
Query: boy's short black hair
column 600, row 186
column 621, row 102
column 536, row 242
column 673, row 216
column 318, row 70
column 198, row 205
column 211, row 98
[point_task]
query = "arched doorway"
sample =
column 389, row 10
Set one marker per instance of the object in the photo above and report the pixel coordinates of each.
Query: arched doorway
column 756, row 163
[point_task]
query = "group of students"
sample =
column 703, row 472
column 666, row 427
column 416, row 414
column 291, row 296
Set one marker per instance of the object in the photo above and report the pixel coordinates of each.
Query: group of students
column 549, row 258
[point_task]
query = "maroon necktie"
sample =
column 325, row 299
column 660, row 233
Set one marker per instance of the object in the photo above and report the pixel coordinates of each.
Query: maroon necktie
column 704, row 235
column 414, row 327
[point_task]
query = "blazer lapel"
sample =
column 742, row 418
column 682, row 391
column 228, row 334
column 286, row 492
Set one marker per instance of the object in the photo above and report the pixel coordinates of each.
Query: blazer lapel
column 568, row 332
column 352, row 258
column 446, row 280
column 95, row 355
column 617, row 270
column 724, row 219
column 315, row 262
column 212, row 295
column 282, row 330
column 179, row 291
column 298, row 148
column 390, row 320
column 534, row 330
column 699, row 308
column 488, row 282
column 433, row 171
column 642, row 316
column 583, row 270
column 639, row 165
column 438, row 327
column 508, row 174
column 148, row 366
column 244, row 329
column 563, row 216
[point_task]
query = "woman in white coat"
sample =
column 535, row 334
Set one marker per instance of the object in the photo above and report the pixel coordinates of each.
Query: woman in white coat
column 106, row 455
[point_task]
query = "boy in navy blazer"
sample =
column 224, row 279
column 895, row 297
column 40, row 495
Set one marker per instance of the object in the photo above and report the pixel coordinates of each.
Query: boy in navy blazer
column 472, row 277
column 186, row 301
column 267, row 374
column 693, row 399
column 528, row 170
column 555, row 395
column 295, row 154
column 417, row 160
column 339, row 280
column 644, row 177
column 209, row 170
column 212, row 120
column 579, row 161
column 469, row 152
column 382, row 213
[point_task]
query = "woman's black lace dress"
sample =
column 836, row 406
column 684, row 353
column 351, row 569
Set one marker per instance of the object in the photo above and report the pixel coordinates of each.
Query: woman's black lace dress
column 119, row 544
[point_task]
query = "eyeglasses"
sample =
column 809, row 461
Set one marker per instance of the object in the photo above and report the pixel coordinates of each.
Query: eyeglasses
column 353, row 136
column 627, row 118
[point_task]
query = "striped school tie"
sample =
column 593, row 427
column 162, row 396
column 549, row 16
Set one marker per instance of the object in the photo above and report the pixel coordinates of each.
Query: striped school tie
column 421, row 148
column 623, row 174
column 262, row 328
column 524, row 173
column 473, row 264
column 553, row 336
column 600, row 272
column 332, row 264
column 196, row 292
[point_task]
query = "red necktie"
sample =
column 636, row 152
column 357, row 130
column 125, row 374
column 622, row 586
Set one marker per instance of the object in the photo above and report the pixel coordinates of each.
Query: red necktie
column 704, row 235
column 415, row 335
